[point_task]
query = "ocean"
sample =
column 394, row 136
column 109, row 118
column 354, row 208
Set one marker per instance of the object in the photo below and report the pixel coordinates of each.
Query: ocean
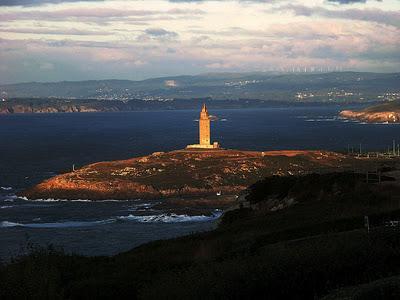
column 34, row 147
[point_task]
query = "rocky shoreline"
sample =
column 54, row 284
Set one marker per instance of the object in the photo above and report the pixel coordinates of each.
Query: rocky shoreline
column 184, row 174
column 372, row 117
column 388, row 112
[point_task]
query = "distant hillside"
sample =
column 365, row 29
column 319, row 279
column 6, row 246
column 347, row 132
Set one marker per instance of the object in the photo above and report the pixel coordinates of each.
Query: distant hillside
column 336, row 86
column 382, row 113
column 51, row 105
column 389, row 106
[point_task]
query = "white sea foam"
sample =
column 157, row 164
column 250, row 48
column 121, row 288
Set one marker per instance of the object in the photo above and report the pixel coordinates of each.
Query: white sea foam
column 170, row 218
column 161, row 218
column 66, row 224
column 143, row 206
column 321, row 120
column 6, row 206
column 6, row 188
column 8, row 224
column 67, row 200
column 10, row 198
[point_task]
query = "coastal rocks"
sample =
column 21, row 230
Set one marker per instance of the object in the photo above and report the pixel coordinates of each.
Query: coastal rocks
column 4, row 110
column 387, row 112
column 19, row 109
column 372, row 117
column 182, row 173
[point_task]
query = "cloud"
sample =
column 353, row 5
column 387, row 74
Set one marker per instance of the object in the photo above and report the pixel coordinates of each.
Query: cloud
column 157, row 35
column 44, row 2
column 39, row 2
column 160, row 32
column 56, row 31
column 370, row 15
column 36, row 2
column 139, row 39
column 100, row 14
column 347, row 1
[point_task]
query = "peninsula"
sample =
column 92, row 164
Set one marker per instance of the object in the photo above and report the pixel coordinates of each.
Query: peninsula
column 201, row 170
column 183, row 173
column 383, row 113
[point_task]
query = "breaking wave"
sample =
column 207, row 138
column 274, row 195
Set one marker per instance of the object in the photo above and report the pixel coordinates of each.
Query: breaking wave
column 322, row 120
column 6, row 206
column 67, row 200
column 143, row 206
column 6, row 188
column 162, row 218
column 67, row 224
column 171, row 218
column 8, row 224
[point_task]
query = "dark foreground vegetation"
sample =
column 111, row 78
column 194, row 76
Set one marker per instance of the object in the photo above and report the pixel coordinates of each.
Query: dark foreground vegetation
column 292, row 238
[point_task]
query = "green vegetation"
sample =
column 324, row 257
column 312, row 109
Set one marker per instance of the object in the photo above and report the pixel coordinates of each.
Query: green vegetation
column 388, row 106
column 314, row 247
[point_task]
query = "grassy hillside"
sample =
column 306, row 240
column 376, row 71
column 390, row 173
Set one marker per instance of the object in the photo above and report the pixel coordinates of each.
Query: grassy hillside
column 389, row 106
column 388, row 112
column 310, row 248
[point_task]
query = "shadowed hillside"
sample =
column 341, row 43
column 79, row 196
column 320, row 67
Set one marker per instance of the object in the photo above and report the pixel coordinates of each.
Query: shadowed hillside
column 304, row 250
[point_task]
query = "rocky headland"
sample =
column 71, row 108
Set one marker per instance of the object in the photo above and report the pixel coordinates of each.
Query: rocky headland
column 383, row 113
column 185, row 174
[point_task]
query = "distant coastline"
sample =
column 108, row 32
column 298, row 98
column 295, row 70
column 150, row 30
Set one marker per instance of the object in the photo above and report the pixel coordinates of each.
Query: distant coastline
column 381, row 113
column 339, row 87
column 51, row 105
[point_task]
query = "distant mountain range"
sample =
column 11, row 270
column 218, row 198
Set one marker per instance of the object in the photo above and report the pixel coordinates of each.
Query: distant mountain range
column 335, row 86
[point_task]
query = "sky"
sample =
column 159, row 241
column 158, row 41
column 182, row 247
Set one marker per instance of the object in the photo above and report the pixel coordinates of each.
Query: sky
column 55, row 40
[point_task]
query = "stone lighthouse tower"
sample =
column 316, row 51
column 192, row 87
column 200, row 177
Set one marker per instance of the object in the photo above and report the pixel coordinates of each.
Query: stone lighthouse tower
column 204, row 132
column 204, row 127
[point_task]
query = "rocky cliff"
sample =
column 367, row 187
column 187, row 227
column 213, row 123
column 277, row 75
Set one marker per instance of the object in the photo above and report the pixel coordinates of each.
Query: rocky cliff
column 183, row 173
column 372, row 117
column 384, row 113
column 18, row 107
column 50, row 109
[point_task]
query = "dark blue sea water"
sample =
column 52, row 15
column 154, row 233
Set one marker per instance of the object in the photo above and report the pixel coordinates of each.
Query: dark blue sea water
column 36, row 147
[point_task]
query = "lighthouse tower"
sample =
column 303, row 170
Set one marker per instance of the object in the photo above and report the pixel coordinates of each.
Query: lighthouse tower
column 204, row 127
column 204, row 132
